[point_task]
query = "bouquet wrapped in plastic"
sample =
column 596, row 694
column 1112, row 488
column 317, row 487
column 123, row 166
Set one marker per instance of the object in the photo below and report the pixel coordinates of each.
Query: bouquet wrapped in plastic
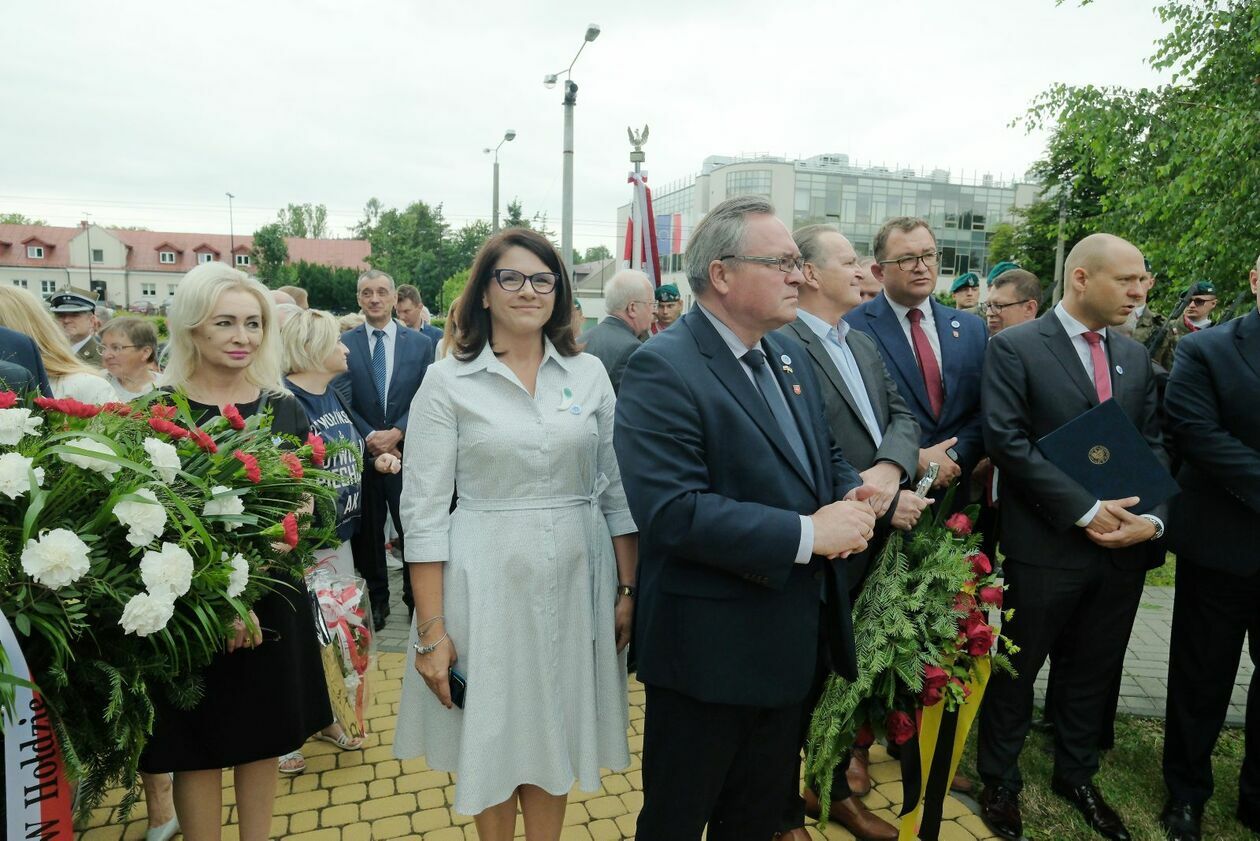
column 347, row 644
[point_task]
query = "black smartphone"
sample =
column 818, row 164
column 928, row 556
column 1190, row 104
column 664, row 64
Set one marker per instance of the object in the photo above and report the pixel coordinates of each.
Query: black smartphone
column 459, row 686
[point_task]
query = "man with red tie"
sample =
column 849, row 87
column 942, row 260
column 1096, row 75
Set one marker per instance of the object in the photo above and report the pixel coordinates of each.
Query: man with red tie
column 933, row 352
column 1074, row 564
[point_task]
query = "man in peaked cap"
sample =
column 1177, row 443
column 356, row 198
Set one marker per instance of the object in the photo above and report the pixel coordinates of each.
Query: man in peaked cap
column 966, row 292
column 668, row 307
column 76, row 313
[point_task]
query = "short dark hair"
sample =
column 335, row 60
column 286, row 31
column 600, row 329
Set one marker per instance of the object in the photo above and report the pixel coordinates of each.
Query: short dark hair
column 407, row 292
column 1026, row 284
column 905, row 224
column 474, row 319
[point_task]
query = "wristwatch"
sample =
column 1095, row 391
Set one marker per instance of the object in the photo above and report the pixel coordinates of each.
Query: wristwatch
column 953, row 455
column 1157, row 523
column 625, row 590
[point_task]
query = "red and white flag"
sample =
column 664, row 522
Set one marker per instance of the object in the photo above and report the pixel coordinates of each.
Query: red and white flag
column 641, row 249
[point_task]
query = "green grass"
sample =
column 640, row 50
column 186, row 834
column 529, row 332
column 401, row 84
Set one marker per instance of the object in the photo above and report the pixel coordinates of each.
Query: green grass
column 1130, row 779
column 1164, row 576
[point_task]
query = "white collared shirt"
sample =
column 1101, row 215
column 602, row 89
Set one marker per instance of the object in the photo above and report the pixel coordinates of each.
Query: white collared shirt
column 805, row 548
column 1076, row 332
column 391, row 341
column 928, row 324
column 835, row 340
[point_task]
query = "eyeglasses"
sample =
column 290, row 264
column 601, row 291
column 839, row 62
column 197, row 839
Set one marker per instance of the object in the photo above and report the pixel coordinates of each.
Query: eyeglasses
column 992, row 307
column 1198, row 302
column 784, row 264
column 118, row 348
column 510, row 280
column 907, row 264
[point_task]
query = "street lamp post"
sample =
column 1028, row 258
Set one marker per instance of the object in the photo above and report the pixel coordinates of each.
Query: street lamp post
column 231, row 230
column 508, row 135
column 570, row 99
column 87, row 226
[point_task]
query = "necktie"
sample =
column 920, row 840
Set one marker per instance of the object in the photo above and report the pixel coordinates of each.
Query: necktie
column 927, row 362
column 1102, row 377
column 756, row 360
column 378, row 365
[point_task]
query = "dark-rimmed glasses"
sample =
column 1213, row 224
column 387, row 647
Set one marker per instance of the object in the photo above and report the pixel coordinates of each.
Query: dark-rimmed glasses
column 907, row 264
column 1199, row 302
column 992, row 307
column 783, row 264
column 510, row 280
column 118, row 348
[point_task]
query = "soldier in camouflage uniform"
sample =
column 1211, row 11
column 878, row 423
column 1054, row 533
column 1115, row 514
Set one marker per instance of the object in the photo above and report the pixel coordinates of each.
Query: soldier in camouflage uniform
column 1146, row 321
column 1198, row 316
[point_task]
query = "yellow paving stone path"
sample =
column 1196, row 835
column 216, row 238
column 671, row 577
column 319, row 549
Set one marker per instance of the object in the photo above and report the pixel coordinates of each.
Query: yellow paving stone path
column 368, row 795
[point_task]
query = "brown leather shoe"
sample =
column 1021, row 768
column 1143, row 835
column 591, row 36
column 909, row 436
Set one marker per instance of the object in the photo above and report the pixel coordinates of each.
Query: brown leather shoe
column 853, row 815
column 858, row 773
column 961, row 784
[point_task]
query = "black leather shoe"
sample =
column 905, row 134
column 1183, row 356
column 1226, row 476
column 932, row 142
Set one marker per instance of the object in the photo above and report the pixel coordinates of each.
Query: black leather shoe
column 999, row 809
column 1182, row 821
column 1089, row 802
column 380, row 612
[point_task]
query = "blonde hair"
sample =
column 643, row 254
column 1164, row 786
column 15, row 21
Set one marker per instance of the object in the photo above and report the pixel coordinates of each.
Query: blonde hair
column 307, row 338
column 20, row 310
column 351, row 321
column 195, row 299
column 449, row 329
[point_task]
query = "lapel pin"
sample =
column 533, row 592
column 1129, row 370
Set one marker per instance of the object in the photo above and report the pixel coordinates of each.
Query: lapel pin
column 566, row 399
column 785, row 359
column 955, row 334
column 955, row 325
column 1119, row 370
column 796, row 389
column 787, row 369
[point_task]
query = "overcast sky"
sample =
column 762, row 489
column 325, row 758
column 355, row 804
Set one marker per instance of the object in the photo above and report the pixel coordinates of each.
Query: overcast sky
column 145, row 113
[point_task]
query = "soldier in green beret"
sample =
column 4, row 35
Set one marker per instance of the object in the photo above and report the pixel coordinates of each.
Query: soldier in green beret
column 668, row 307
column 966, row 292
column 1198, row 316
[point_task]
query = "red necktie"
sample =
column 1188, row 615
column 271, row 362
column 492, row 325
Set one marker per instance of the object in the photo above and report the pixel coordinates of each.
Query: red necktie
column 927, row 362
column 1102, row 377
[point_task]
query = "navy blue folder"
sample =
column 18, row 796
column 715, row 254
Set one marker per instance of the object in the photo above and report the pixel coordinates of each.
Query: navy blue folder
column 1103, row 451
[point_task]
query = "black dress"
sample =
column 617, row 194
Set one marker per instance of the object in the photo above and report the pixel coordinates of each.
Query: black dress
column 259, row 702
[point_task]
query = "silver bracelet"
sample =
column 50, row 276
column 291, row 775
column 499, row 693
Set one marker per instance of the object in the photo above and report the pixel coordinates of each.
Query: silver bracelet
column 427, row 649
column 424, row 626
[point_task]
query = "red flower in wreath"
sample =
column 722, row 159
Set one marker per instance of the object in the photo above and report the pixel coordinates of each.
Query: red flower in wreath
column 966, row 688
column 290, row 530
column 160, row 410
column 934, row 680
column 171, row 429
column 979, row 636
column 116, row 408
column 980, row 563
column 68, row 406
column 900, row 727
column 7, row 399
column 294, row 464
column 203, row 439
column 233, row 416
column 252, row 470
column 960, row 524
column 964, row 603
column 992, row 595
column 318, row 449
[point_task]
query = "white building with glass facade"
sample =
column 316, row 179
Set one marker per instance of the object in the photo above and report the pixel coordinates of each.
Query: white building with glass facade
column 856, row 199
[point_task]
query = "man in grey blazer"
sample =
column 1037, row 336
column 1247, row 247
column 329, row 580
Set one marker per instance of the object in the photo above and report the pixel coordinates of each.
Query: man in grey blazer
column 628, row 299
column 878, row 434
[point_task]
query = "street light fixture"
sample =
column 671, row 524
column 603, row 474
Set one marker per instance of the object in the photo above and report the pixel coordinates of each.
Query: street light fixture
column 508, row 135
column 570, row 99
column 231, row 230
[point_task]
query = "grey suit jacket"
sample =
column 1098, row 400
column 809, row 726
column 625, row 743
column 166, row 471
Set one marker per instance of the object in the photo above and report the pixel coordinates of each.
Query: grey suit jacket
column 896, row 422
column 612, row 341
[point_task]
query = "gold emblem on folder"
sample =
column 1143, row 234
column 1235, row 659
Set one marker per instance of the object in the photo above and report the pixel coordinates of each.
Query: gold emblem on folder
column 1099, row 454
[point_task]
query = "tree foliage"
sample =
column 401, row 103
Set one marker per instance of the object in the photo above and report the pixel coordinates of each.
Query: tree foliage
column 270, row 253
column 596, row 252
column 1174, row 169
column 452, row 288
column 329, row 288
column 307, row 221
column 19, row 219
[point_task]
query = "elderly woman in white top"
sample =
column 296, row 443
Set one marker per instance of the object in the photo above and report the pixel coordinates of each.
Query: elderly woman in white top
column 128, row 348
column 518, row 590
column 68, row 375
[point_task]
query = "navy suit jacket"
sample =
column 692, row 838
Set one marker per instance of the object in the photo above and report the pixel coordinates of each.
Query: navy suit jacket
column 962, row 361
column 21, row 349
column 1213, row 407
column 413, row 353
column 723, row 614
column 434, row 334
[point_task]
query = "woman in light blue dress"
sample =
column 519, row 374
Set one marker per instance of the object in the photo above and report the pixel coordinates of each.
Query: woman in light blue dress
column 526, row 590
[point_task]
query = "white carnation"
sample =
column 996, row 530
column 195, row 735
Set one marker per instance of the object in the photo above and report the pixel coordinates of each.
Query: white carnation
column 147, row 613
column 222, row 501
column 145, row 520
column 239, row 576
column 15, row 476
column 167, row 571
column 58, row 558
column 165, row 459
column 100, row 465
column 16, row 423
